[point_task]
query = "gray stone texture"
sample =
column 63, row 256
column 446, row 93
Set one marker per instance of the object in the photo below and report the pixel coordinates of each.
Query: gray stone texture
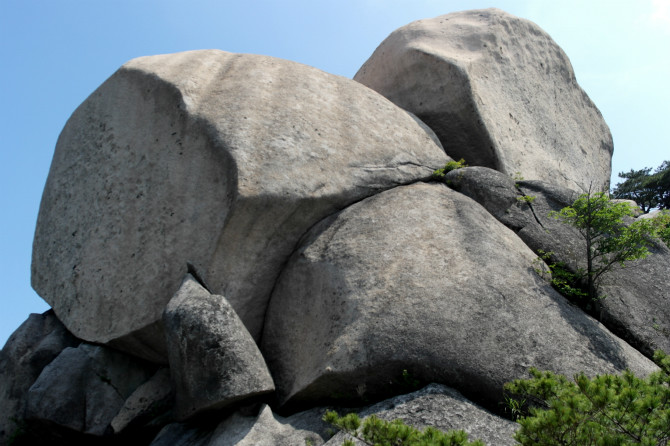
column 218, row 159
column 214, row 361
column 497, row 91
column 423, row 278
column 150, row 401
column 84, row 388
column 249, row 427
column 445, row 409
column 27, row 351
column 635, row 306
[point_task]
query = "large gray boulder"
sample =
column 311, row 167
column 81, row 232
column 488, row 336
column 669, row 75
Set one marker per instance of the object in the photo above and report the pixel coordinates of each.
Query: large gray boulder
column 497, row 91
column 445, row 409
column 84, row 388
column 27, row 351
column 422, row 278
column 635, row 304
column 214, row 361
column 218, row 159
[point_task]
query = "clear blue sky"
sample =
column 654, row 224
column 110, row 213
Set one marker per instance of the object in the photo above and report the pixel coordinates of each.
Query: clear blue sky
column 53, row 54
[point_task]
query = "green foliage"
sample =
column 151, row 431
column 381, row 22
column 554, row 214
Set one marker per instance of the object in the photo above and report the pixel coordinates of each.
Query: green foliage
column 566, row 282
column 606, row 410
column 609, row 242
column 662, row 225
column 649, row 190
column 374, row 431
column 526, row 199
column 451, row 165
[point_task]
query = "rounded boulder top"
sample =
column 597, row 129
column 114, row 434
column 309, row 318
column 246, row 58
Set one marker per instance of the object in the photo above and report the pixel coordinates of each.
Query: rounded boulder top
column 498, row 92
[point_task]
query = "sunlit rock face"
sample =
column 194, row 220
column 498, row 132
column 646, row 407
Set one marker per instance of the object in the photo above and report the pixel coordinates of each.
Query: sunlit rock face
column 218, row 159
column 497, row 91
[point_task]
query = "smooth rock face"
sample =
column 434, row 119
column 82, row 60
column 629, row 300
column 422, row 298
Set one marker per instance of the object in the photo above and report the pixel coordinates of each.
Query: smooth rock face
column 497, row 91
column 444, row 409
column 218, row 159
column 84, row 388
column 28, row 350
column 423, row 279
column 635, row 306
column 214, row 361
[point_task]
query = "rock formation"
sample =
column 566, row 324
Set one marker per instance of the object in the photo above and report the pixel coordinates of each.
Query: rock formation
column 232, row 244
column 498, row 92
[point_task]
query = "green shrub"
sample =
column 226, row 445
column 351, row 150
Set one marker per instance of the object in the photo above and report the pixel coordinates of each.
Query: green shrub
column 606, row 410
column 451, row 165
column 609, row 241
column 375, row 431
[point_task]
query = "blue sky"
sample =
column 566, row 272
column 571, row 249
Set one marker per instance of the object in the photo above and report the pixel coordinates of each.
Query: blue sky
column 55, row 53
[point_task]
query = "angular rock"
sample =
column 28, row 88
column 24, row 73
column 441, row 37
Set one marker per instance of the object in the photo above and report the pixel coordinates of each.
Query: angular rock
column 218, row 159
column 148, row 402
column 445, row 409
column 497, row 91
column 214, row 361
column 423, row 279
column 84, row 388
column 27, row 351
column 636, row 304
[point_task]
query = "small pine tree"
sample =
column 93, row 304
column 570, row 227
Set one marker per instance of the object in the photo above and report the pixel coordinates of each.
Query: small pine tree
column 610, row 243
column 606, row 410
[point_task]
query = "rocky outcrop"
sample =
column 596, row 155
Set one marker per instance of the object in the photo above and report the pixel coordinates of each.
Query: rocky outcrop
column 634, row 300
column 213, row 358
column 28, row 350
column 218, row 159
column 251, row 429
column 497, row 91
column 442, row 408
column 422, row 278
column 83, row 389
column 236, row 241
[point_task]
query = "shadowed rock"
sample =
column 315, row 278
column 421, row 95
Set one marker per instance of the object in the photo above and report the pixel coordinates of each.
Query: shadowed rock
column 214, row 361
column 84, row 388
column 497, row 91
column 28, row 350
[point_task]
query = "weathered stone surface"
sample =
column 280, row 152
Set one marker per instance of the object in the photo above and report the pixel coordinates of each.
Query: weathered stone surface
column 265, row 428
column 422, row 278
column 244, row 429
column 214, row 361
column 220, row 159
column 150, row 400
column 636, row 306
column 84, row 388
column 445, row 409
column 27, row 351
column 497, row 91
